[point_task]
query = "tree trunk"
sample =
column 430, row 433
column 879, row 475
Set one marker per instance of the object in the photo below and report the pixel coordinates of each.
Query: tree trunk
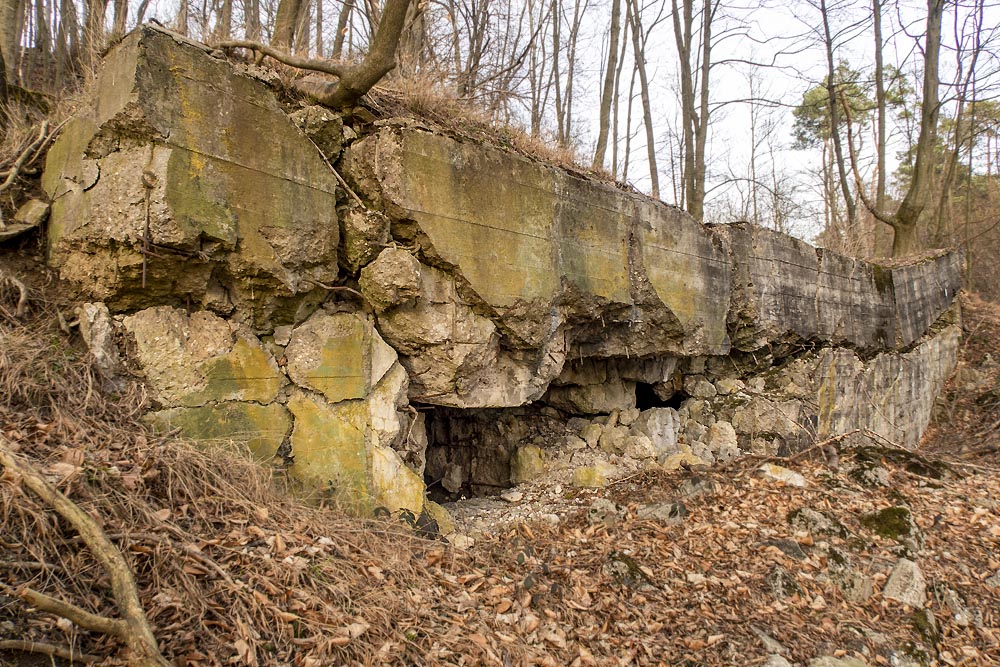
column 10, row 36
column 3, row 94
column 285, row 21
column 338, row 39
column 319, row 28
column 647, row 114
column 604, row 120
column 904, row 222
column 880, row 103
column 833, row 103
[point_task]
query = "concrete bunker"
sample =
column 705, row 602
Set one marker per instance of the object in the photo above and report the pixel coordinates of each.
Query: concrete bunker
column 453, row 315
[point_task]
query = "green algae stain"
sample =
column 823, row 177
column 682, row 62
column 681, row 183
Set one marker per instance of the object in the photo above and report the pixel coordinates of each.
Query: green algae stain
column 261, row 427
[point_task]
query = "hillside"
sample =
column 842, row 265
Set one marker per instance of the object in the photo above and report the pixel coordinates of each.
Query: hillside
column 718, row 566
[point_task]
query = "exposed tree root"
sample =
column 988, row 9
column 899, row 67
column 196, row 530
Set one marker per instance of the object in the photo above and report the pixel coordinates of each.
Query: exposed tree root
column 133, row 628
column 50, row 650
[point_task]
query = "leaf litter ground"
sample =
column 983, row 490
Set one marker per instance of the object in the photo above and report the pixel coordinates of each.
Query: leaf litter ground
column 232, row 571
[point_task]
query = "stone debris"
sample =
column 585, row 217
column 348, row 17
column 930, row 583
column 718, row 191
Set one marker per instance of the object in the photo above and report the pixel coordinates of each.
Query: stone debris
column 778, row 473
column 906, row 584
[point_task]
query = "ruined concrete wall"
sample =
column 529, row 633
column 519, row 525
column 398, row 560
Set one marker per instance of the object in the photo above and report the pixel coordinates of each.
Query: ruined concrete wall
column 464, row 317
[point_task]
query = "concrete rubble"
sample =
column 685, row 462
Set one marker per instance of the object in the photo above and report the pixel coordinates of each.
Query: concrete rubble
column 478, row 320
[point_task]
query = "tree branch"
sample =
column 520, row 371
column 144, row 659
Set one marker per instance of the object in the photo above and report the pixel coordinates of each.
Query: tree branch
column 78, row 615
column 134, row 627
column 47, row 649
column 324, row 66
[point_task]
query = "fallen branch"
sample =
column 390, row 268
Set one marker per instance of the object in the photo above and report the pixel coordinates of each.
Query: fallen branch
column 50, row 650
column 133, row 628
column 22, row 301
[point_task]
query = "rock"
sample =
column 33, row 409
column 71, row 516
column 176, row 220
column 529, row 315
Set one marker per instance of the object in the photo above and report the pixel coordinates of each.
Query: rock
column 258, row 214
column 604, row 512
column 781, row 583
column 777, row 473
column 453, row 354
column 527, row 464
column 98, row 333
column 593, row 399
column 993, row 581
column 906, row 584
column 639, row 447
column 192, row 360
column 926, row 625
column 661, row 426
column 261, row 428
column 956, row 605
column 727, row 386
column 391, row 280
column 591, row 434
column 668, row 513
column 365, row 233
column 31, row 213
column 722, row 441
column 775, row 660
column 613, row 440
column 512, row 496
column 340, row 356
column 324, row 127
column 682, row 458
column 698, row 386
column 628, row 416
column 394, row 486
column 771, row 645
column 816, row 523
column 830, row 661
column 593, row 476
column 697, row 486
column 894, row 523
column 855, row 586
column 523, row 236
column 441, row 516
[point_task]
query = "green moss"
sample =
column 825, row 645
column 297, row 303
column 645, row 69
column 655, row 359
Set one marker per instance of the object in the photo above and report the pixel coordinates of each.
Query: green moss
column 261, row 427
column 893, row 522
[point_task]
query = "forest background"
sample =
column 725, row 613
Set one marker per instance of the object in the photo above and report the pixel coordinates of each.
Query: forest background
column 866, row 126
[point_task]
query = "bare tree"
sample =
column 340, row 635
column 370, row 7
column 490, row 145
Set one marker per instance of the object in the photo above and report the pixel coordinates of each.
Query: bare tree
column 639, row 50
column 607, row 92
column 354, row 80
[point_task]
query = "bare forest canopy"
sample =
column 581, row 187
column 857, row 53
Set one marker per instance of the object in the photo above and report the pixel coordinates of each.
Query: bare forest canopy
column 867, row 126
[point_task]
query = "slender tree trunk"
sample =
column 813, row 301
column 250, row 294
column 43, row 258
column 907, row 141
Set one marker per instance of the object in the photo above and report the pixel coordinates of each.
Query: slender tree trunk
column 319, row 28
column 10, row 36
column 880, row 104
column 607, row 93
column 833, row 103
column 338, row 39
column 3, row 94
column 647, row 114
column 285, row 22
column 556, row 76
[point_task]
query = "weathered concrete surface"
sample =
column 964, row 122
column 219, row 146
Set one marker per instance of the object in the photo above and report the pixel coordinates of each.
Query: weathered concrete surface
column 261, row 427
column 192, row 360
column 197, row 167
column 552, row 260
column 786, row 290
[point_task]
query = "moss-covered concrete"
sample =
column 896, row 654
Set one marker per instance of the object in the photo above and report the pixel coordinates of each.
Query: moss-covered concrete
column 261, row 427
column 331, row 450
column 177, row 150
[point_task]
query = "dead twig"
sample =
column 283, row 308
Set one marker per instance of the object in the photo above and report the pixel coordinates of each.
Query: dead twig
column 51, row 650
column 22, row 159
column 133, row 628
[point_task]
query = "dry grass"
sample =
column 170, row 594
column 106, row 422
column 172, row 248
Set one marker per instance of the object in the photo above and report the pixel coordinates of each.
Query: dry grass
column 226, row 565
column 425, row 99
